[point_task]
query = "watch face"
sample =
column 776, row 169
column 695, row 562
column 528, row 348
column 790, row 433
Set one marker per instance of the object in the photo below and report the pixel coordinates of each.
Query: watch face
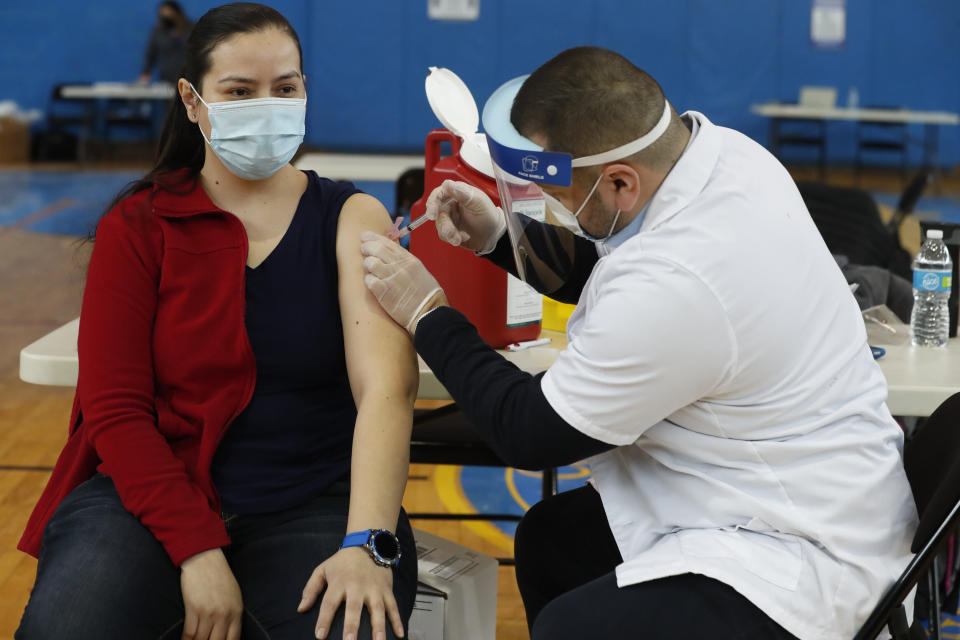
column 386, row 545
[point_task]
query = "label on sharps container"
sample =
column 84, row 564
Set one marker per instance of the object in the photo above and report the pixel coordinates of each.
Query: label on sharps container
column 925, row 280
column 524, row 304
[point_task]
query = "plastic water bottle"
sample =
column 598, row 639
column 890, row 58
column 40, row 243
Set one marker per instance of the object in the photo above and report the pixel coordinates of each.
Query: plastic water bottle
column 932, row 275
column 853, row 98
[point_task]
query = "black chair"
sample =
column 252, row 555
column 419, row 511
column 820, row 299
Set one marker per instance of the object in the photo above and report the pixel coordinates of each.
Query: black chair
column 887, row 139
column 445, row 436
column 849, row 221
column 409, row 189
column 932, row 463
column 131, row 116
column 909, row 198
column 70, row 123
column 807, row 134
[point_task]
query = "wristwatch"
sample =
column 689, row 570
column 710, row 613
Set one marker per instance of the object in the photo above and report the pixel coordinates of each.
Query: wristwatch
column 382, row 545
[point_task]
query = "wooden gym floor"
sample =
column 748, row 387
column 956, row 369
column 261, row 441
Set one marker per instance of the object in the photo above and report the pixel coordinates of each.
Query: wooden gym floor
column 41, row 282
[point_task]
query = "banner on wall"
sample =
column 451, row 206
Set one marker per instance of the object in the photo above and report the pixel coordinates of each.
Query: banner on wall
column 458, row 10
column 828, row 24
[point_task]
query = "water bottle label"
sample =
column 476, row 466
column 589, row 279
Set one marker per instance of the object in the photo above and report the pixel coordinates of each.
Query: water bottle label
column 932, row 280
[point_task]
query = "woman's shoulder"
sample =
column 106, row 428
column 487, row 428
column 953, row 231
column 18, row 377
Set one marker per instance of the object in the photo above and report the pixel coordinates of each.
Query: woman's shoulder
column 140, row 201
column 130, row 212
column 329, row 189
column 335, row 194
column 131, row 221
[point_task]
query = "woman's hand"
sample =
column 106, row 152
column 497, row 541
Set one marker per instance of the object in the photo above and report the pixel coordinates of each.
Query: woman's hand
column 351, row 577
column 211, row 598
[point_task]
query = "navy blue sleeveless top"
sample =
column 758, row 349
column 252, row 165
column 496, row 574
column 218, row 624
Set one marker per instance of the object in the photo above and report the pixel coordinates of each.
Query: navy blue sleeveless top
column 294, row 438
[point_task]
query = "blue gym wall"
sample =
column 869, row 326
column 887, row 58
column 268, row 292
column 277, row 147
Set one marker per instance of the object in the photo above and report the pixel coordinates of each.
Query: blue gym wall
column 366, row 60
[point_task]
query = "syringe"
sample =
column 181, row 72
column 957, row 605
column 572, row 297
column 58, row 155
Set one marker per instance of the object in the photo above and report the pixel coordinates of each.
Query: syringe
column 412, row 226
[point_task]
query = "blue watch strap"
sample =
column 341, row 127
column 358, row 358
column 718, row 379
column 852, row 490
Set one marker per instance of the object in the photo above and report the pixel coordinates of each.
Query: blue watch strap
column 356, row 539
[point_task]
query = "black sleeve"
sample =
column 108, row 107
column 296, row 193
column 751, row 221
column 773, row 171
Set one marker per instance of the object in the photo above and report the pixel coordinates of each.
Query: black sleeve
column 150, row 57
column 555, row 274
column 505, row 404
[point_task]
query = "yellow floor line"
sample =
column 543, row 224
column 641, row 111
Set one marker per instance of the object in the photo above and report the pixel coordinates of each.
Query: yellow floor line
column 447, row 481
column 512, row 488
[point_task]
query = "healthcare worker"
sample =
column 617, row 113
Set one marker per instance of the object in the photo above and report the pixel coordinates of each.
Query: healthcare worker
column 747, row 474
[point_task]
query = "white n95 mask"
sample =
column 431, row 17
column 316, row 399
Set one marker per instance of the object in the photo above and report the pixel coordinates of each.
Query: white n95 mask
column 254, row 138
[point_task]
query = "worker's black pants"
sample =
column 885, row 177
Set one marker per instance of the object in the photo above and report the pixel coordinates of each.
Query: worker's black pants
column 566, row 557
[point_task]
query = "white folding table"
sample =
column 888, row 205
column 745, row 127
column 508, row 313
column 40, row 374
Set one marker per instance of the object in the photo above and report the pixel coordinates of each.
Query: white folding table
column 918, row 379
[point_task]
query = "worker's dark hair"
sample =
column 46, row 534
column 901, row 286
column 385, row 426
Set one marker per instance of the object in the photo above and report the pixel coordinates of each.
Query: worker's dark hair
column 181, row 145
column 588, row 100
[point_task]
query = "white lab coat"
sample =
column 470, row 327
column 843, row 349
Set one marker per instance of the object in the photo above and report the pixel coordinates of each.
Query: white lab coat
column 721, row 348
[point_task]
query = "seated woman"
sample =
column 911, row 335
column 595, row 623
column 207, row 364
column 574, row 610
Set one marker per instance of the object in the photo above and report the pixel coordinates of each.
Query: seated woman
column 243, row 402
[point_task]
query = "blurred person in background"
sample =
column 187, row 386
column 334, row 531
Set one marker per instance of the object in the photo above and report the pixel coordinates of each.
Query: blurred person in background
column 167, row 44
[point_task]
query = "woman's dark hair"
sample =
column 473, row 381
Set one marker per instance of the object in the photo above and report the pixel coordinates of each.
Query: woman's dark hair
column 181, row 145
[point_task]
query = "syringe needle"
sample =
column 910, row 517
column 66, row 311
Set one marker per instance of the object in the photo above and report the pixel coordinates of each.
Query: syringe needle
column 412, row 226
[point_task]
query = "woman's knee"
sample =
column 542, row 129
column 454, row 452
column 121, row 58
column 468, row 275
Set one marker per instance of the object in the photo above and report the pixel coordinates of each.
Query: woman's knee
column 99, row 568
column 98, row 610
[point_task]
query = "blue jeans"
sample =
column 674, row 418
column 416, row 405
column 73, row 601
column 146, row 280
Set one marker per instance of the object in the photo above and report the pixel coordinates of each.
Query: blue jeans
column 102, row 574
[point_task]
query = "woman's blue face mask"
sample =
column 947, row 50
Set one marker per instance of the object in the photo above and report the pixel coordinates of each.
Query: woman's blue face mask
column 254, row 138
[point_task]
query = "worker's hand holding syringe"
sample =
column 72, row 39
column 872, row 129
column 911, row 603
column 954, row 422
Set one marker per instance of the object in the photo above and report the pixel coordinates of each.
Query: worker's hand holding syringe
column 406, row 290
column 464, row 216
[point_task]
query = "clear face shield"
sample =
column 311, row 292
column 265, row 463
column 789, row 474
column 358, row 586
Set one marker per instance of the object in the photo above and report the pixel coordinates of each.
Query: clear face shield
column 544, row 255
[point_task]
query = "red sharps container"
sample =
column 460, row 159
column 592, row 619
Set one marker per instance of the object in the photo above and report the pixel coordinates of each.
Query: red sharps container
column 503, row 308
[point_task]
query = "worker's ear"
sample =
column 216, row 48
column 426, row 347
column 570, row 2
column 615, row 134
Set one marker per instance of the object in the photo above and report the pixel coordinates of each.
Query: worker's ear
column 623, row 184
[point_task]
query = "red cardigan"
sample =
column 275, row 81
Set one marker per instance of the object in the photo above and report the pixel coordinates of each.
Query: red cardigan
column 165, row 366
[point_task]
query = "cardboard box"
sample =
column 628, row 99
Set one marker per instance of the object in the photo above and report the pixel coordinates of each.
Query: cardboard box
column 468, row 580
column 14, row 141
column 426, row 621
